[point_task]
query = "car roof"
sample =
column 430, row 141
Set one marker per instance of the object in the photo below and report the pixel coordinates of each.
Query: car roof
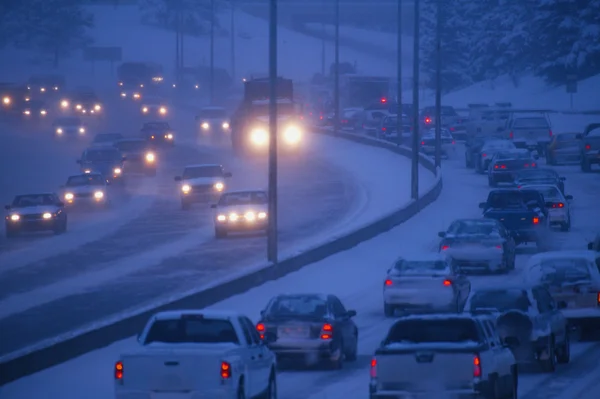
column 211, row 314
column 578, row 254
column 426, row 256
column 537, row 186
column 519, row 115
column 436, row 316
column 203, row 165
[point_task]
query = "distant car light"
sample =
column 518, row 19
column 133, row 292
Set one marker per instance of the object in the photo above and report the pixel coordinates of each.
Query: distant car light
column 15, row 217
column 59, row 131
column 43, row 112
column 123, row 94
column 145, row 110
column 120, row 83
column 196, row 87
column 150, row 157
column 117, row 171
column 69, row 196
column 98, row 195
column 55, row 88
column 6, row 100
column 47, row 215
column 27, row 112
column 64, row 104
column 78, row 106
column 137, row 96
column 205, row 126
column 186, row 188
column 97, row 107
column 221, row 218
column 81, row 130
column 219, row 186
column 225, row 125
column 250, row 216
column 169, row 136
column 42, row 89
column 262, row 215
column 87, row 171
column 259, row 137
column 233, row 217
column 162, row 110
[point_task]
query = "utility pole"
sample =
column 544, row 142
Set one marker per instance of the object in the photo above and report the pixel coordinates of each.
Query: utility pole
column 212, row 52
column 323, row 50
column 438, row 86
column 232, row 32
column 181, row 35
column 336, row 88
column 414, row 176
column 399, row 74
column 272, row 239
column 177, row 52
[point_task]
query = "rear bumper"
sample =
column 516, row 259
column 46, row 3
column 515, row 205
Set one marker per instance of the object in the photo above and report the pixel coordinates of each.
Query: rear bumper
column 431, row 301
column 531, row 144
column 476, row 391
column 223, row 392
column 593, row 158
column 241, row 226
column 303, row 347
column 502, row 177
column 558, row 216
column 526, row 235
column 489, row 263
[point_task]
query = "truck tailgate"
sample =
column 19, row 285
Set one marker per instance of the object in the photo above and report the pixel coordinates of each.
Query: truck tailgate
column 188, row 368
column 531, row 135
column 513, row 220
column 425, row 369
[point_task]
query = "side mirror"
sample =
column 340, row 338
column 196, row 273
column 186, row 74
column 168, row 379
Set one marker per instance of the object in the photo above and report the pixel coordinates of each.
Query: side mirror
column 511, row 341
column 78, row 161
column 351, row 313
column 7, row 207
column 227, row 174
column 177, row 178
column 569, row 197
column 139, row 337
column 579, row 136
column 442, row 234
column 562, row 305
column 262, row 313
column 213, row 206
column 482, row 205
column 269, row 338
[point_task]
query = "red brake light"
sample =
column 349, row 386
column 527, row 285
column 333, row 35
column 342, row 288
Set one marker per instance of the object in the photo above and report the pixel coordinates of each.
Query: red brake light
column 326, row 331
column 383, row 129
column 384, row 100
column 447, row 283
column 476, row 367
column 526, row 165
column 388, row 282
column 558, row 205
column 499, row 246
column 225, row 370
column 119, row 370
column 327, row 327
column 519, row 186
column 422, row 143
column 588, row 147
column 321, row 117
column 536, row 220
column 427, row 119
column 445, row 247
column 502, row 166
column 550, row 133
column 374, row 367
column 453, row 142
column 511, row 135
column 452, row 129
column 533, row 165
column 598, row 299
column 484, row 155
column 260, row 328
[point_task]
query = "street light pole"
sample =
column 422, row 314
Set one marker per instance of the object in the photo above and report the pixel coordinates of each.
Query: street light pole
column 438, row 86
column 414, row 176
column 232, row 32
column 177, row 51
column 336, row 94
column 272, row 240
column 399, row 74
column 212, row 52
column 181, row 35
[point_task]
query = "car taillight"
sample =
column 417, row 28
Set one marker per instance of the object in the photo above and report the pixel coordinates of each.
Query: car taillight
column 533, row 165
column 484, row 155
column 526, row 165
column 260, row 328
column 373, row 370
column 344, row 121
column 550, row 133
column 119, row 370
column 499, row 166
column 427, row 120
column 388, row 282
column 422, row 143
column 511, row 135
column 536, row 220
column 453, row 142
column 327, row 331
column 476, row 367
column 453, row 129
column 598, row 299
column 445, row 247
column 558, row 205
column 588, row 147
column 519, row 186
column 225, row 370
column 321, row 117
column 498, row 246
column 383, row 129
column 447, row 283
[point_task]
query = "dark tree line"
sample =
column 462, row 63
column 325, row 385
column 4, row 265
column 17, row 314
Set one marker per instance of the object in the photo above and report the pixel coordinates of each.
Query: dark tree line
column 54, row 28
column 196, row 14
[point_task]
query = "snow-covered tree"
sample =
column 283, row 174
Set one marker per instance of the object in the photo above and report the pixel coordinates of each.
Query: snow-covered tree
column 196, row 14
column 54, row 27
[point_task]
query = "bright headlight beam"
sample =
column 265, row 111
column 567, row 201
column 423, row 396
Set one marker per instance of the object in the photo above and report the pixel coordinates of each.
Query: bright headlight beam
column 47, row 215
column 98, row 195
column 15, row 217
column 250, row 216
column 150, row 157
column 69, row 196
column 186, row 188
column 117, row 171
column 233, row 217
column 205, row 125
column 292, row 135
column 259, row 136
column 221, row 218
column 219, row 186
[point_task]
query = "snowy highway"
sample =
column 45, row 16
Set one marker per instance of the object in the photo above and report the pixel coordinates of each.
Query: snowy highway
column 356, row 277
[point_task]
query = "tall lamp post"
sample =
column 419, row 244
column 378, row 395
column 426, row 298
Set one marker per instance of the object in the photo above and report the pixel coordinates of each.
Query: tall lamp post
column 438, row 86
column 212, row 52
column 399, row 74
column 272, row 239
column 336, row 88
column 414, row 176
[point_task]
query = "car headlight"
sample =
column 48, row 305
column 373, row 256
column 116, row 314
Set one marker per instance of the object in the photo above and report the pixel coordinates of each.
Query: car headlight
column 196, row 86
column 27, row 99
column 117, row 171
column 42, row 89
column 262, row 215
column 120, row 83
column 205, row 125
column 259, row 136
column 136, row 95
column 169, row 136
column 186, row 188
column 98, row 195
column 97, row 107
column 219, row 186
column 162, row 110
column 59, row 131
column 69, row 196
column 84, row 111
column 233, row 217
column 27, row 112
column 221, row 218
column 78, row 106
column 123, row 94
column 47, row 215
column 150, row 157
column 145, row 109
column 250, row 216
column 6, row 100
column 43, row 112
column 55, row 88
column 87, row 171
column 292, row 135
column 225, row 125
column 142, row 86
column 81, row 130
column 15, row 217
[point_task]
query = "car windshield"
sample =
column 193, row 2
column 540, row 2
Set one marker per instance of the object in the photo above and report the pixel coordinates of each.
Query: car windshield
column 498, row 145
column 23, row 201
column 564, row 271
column 511, row 199
column 212, row 113
column 513, row 155
column 102, row 155
column 594, row 132
column 297, row 305
column 473, row 227
column 202, row 171
column 107, row 137
column 500, row 300
column 531, row 123
column 153, row 101
column 245, row 198
column 403, row 266
column 68, row 122
column 131, row 145
column 156, row 126
column 418, row 331
column 85, row 180
column 192, row 330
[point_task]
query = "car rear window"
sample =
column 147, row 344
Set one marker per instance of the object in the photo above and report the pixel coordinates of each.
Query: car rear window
column 594, row 132
column 298, row 305
column 558, row 272
column 192, row 330
column 500, row 300
column 531, row 123
column 433, row 331
column 404, row 266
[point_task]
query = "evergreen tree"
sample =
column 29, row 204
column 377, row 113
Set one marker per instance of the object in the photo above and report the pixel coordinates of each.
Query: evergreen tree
column 196, row 14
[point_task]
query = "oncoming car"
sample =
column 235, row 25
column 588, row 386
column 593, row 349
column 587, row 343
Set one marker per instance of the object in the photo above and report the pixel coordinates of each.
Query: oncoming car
column 241, row 211
column 104, row 160
column 154, row 106
column 424, row 284
column 87, row 189
column 213, row 120
column 35, row 212
column 68, row 127
column 139, row 156
column 158, row 133
column 201, row 183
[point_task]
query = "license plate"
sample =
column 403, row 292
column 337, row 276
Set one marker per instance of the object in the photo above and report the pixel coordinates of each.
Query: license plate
column 293, row 332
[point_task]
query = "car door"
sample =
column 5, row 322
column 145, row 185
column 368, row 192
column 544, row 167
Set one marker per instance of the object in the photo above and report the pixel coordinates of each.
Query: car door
column 265, row 357
column 461, row 283
column 549, row 312
column 509, row 243
column 503, row 356
column 251, row 359
column 344, row 323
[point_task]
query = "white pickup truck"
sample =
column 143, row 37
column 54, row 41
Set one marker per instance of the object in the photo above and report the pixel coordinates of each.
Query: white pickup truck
column 196, row 354
column 443, row 355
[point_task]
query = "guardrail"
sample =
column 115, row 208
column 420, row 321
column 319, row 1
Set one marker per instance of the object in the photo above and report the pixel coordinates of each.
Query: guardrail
column 103, row 334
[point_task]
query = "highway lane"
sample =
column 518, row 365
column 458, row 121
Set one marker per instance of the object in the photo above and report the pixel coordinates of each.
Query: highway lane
column 116, row 272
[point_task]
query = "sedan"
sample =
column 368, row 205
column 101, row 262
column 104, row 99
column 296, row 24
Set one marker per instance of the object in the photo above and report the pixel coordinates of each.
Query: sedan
column 527, row 177
column 506, row 164
column 477, row 245
column 310, row 329
column 241, row 211
column 489, row 149
column 86, row 189
column 426, row 283
column 558, row 205
column 35, row 212
column 563, row 148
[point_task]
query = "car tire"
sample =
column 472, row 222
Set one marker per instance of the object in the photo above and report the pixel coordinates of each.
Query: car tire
column 563, row 355
column 566, row 226
column 241, row 391
column 549, row 365
column 271, row 392
column 514, row 387
column 353, row 354
column 338, row 363
column 388, row 310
